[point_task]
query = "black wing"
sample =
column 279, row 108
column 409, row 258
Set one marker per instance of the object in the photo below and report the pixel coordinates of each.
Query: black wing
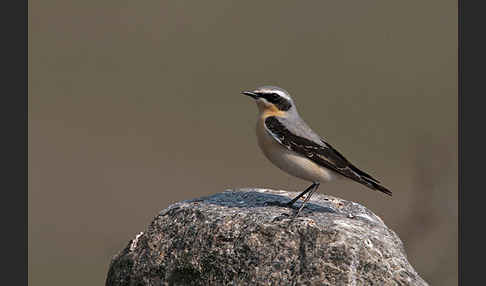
column 322, row 154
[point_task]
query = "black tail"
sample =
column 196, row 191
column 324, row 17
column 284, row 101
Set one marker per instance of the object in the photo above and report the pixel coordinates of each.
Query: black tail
column 375, row 186
column 369, row 181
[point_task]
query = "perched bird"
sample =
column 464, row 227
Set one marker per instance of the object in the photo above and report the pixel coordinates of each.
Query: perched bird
column 289, row 143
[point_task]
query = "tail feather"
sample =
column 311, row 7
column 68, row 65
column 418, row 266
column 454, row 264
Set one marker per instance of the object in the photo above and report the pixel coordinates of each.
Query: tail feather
column 369, row 181
column 375, row 186
column 361, row 173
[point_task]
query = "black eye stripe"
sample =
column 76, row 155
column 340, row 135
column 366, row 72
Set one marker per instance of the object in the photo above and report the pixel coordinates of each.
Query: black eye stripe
column 271, row 97
column 280, row 102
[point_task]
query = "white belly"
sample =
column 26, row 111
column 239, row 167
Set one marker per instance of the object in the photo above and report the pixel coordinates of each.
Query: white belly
column 291, row 162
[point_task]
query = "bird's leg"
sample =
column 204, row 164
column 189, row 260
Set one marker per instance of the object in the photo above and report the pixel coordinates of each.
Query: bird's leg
column 308, row 198
column 289, row 204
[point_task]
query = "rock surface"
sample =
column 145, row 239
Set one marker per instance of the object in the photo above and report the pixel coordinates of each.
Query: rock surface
column 244, row 237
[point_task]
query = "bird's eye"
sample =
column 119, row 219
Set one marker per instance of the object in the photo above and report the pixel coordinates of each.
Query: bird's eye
column 279, row 101
column 273, row 98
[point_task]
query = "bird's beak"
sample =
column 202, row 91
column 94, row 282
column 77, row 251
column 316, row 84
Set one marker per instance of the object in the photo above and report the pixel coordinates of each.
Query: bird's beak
column 250, row 93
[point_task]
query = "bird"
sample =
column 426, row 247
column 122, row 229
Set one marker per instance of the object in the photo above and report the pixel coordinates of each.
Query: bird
column 289, row 143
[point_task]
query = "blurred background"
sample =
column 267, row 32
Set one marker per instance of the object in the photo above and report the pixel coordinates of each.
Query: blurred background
column 134, row 105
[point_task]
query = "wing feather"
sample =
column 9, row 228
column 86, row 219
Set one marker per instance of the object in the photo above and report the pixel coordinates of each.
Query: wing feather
column 321, row 152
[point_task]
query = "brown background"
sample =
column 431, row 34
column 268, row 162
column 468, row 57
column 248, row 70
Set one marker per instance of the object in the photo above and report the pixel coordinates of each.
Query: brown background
column 134, row 105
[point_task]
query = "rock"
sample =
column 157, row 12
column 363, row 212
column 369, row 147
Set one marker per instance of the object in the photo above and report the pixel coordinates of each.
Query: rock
column 244, row 237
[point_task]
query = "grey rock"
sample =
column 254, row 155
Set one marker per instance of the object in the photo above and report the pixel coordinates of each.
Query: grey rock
column 246, row 237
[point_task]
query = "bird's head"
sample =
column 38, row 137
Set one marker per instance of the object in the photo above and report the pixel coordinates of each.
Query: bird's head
column 272, row 100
